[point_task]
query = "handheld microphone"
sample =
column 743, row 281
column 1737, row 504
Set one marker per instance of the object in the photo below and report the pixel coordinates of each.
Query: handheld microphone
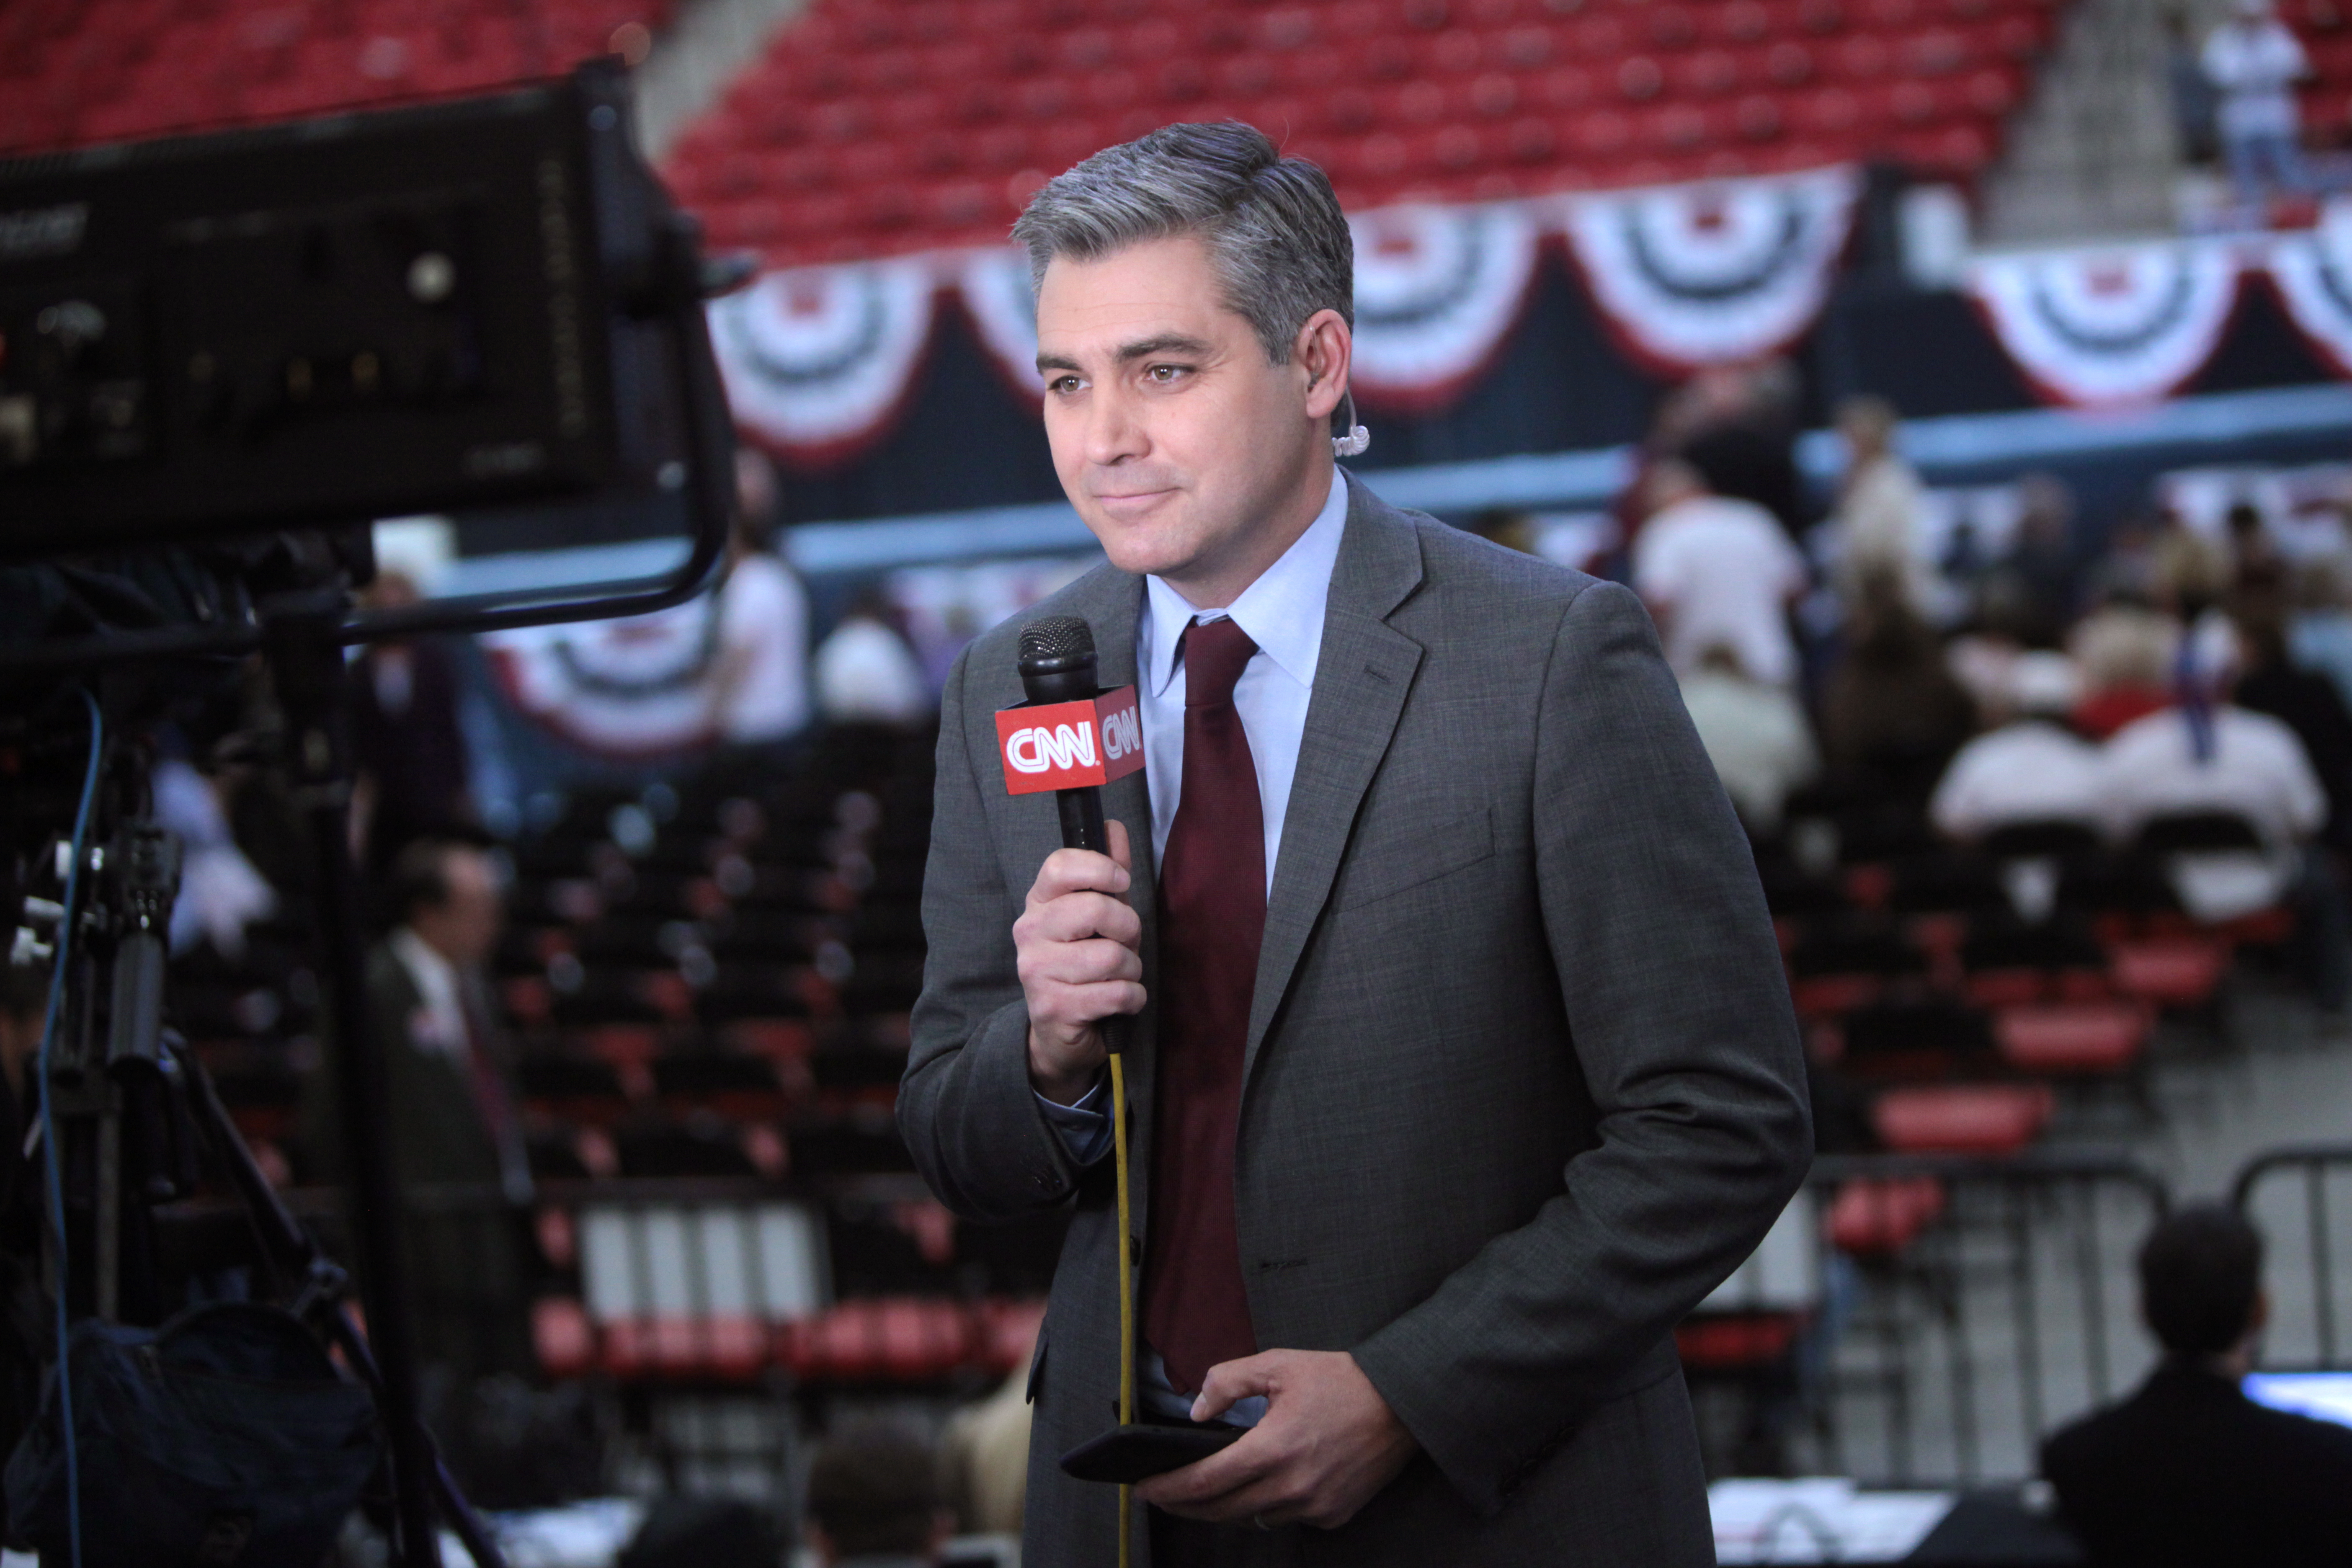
column 1070, row 737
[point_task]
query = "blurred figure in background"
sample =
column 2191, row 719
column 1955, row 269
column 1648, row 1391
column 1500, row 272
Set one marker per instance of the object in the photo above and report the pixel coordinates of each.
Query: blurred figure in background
column 866, row 673
column 1878, row 522
column 408, row 750
column 1743, row 438
column 1755, row 733
column 1717, row 573
column 456, row 1136
column 875, row 1502
column 2253, row 62
column 2032, row 767
column 2306, row 703
column 759, row 683
column 2319, row 632
column 1893, row 714
column 2037, row 574
column 2189, row 1472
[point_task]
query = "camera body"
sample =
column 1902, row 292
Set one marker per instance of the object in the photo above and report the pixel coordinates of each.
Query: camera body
column 426, row 309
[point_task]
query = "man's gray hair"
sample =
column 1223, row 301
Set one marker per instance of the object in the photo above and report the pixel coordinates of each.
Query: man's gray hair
column 1273, row 229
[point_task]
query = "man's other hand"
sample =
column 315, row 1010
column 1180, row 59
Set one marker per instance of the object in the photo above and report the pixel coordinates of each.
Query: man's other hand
column 1078, row 949
column 1328, row 1443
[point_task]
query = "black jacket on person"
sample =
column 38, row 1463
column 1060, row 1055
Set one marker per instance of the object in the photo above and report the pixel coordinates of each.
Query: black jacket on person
column 2309, row 704
column 2190, row 1471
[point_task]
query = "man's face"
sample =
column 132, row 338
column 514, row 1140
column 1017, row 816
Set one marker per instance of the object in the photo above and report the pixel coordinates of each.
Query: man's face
column 465, row 930
column 1171, row 434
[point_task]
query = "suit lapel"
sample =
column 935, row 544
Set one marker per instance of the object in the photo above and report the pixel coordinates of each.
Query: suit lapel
column 1362, row 676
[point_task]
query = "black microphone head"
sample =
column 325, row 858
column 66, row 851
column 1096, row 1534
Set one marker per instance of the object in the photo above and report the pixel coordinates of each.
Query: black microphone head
column 1057, row 659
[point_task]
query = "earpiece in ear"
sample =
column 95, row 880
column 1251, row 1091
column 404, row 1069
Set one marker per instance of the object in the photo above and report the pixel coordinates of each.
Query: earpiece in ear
column 1357, row 440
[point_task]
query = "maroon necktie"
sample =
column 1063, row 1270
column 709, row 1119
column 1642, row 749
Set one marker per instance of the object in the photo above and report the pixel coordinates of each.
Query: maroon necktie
column 1211, row 919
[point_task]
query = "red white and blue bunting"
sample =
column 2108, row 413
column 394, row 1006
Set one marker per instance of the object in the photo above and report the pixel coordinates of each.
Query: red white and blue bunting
column 1436, row 291
column 637, row 688
column 2111, row 325
column 817, row 360
column 2311, row 273
column 1003, row 308
column 1713, row 273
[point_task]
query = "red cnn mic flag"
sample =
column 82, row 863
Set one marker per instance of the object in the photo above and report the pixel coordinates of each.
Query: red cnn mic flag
column 1070, row 745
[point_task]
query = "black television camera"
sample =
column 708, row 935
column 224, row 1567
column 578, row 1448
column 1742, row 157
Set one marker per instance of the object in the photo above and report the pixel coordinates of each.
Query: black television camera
column 221, row 356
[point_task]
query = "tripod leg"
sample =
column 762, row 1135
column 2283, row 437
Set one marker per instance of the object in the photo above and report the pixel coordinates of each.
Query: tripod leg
column 308, row 663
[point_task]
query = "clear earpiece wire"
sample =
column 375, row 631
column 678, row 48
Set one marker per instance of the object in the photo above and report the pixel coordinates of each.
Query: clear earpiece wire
column 1357, row 440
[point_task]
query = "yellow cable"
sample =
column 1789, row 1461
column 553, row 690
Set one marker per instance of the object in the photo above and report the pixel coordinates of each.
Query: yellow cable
column 1126, row 1289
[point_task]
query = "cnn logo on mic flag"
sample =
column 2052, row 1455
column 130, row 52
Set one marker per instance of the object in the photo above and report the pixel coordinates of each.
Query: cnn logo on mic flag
column 1070, row 745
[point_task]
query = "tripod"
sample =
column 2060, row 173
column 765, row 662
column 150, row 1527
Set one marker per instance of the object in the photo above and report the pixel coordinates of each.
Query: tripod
column 132, row 1108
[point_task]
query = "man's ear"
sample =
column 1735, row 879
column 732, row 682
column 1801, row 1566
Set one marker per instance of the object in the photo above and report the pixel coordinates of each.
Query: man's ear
column 1325, row 348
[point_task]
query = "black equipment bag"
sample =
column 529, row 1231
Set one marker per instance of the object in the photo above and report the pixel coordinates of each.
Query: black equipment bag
column 223, row 1439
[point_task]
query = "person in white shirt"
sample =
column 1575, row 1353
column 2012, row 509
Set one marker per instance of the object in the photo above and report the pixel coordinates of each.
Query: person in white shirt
column 2253, row 62
column 760, row 688
column 2031, row 768
column 1717, row 572
column 1756, row 735
column 2208, row 755
column 866, row 673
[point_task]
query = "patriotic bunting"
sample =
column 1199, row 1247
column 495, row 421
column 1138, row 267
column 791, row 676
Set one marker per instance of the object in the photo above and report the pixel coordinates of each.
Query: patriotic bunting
column 994, row 285
column 627, row 689
column 1436, row 289
column 2311, row 273
column 817, row 360
column 1715, row 273
column 2110, row 325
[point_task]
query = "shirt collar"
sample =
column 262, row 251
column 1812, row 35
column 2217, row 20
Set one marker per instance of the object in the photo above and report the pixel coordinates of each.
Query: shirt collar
column 1282, row 611
column 434, row 975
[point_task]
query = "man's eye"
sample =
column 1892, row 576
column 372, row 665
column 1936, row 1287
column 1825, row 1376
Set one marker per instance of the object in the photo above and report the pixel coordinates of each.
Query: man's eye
column 1164, row 373
column 1063, row 383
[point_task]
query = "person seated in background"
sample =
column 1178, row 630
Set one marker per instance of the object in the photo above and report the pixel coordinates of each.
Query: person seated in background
column 2032, row 767
column 1755, row 733
column 866, row 673
column 1717, row 572
column 2319, row 631
column 2305, row 702
column 2208, row 755
column 2037, row 576
column 1892, row 715
column 2124, row 650
column 875, row 1502
column 2189, row 1472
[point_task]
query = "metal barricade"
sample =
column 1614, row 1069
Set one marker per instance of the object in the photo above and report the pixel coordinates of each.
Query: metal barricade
column 2300, row 1197
column 1963, row 1308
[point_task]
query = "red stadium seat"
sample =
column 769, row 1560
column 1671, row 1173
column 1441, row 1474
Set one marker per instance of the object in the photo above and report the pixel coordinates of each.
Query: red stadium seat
column 1874, row 1216
column 1961, row 1119
column 1727, row 1342
column 2169, row 970
column 2072, row 1039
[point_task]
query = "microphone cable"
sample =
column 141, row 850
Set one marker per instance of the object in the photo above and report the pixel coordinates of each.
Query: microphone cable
column 54, row 1168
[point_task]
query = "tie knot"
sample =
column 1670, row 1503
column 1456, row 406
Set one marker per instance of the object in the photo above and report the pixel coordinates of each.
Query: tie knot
column 1215, row 654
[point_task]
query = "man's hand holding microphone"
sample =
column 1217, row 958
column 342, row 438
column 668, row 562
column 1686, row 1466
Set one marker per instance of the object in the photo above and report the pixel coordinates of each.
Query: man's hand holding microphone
column 1078, row 948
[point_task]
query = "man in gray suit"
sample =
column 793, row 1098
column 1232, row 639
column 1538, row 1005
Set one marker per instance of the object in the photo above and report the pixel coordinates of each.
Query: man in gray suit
column 1462, row 1065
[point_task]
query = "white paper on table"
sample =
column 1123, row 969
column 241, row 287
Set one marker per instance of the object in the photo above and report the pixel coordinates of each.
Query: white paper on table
column 1819, row 1518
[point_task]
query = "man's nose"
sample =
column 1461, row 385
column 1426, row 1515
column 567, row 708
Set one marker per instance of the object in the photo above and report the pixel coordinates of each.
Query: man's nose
column 1113, row 432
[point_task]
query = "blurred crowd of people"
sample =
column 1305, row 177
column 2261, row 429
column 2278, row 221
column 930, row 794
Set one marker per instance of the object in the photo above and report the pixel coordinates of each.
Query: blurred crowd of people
column 2044, row 678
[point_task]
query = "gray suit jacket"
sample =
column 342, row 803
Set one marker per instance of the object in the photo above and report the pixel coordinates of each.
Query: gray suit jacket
column 1522, row 1080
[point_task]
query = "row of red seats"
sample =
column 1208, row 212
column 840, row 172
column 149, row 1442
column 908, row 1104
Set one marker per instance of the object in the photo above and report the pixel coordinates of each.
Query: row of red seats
column 1098, row 32
column 976, row 81
column 884, row 1339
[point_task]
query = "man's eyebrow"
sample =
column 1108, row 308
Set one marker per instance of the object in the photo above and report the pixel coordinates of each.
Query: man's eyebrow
column 1165, row 344
column 1055, row 362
